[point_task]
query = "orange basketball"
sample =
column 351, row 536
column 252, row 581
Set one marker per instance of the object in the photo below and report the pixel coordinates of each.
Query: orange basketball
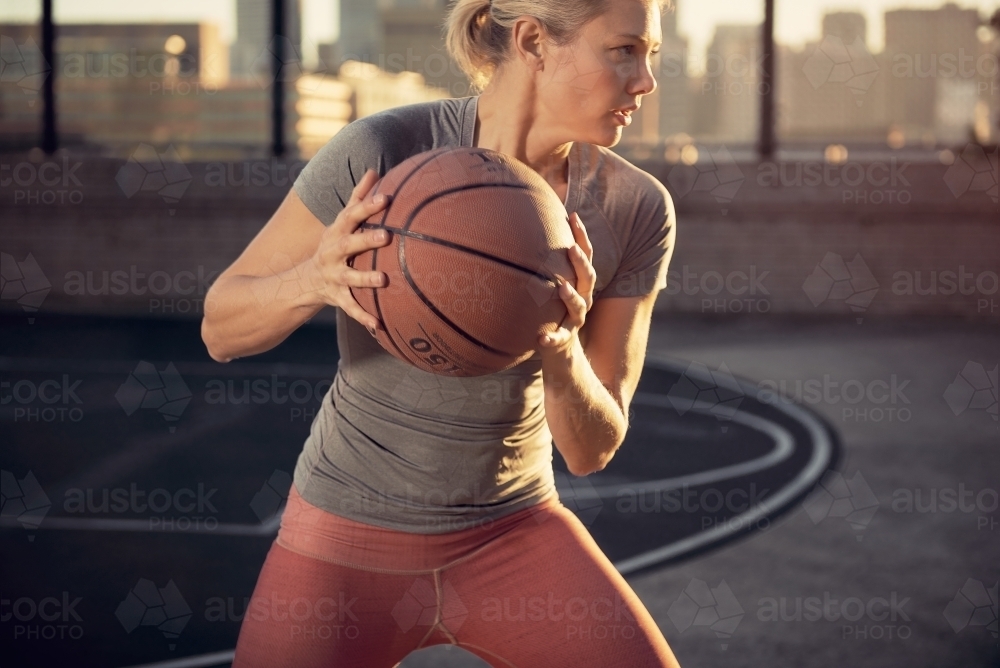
column 477, row 239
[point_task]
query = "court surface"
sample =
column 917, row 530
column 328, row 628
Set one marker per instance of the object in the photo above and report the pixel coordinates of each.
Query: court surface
column 143, row 484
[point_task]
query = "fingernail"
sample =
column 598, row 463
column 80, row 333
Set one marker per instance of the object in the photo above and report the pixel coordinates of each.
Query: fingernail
column 371, row 330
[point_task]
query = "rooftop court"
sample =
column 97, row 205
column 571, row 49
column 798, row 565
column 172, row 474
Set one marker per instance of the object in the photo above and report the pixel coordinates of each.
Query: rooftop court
column 725, row 570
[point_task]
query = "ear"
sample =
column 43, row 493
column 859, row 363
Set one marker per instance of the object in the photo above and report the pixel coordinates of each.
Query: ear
column 528, row 39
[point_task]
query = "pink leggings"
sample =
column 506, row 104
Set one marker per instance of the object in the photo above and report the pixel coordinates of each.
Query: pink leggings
column 531, row 589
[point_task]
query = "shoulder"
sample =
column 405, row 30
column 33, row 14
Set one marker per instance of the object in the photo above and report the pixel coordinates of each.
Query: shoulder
column 639, row 180
column 379, row 141
column 422, row 124
column 387, row 137
column 627, row 185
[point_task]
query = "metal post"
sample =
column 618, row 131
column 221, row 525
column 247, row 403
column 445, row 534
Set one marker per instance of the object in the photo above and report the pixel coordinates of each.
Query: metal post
column 278, row 87
column 49, row 139
column 766, row 145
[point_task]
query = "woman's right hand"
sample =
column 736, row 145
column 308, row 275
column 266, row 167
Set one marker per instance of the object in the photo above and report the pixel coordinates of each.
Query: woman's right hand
column 340, row 242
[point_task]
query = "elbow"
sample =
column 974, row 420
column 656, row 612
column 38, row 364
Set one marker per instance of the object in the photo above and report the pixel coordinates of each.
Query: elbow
column 212, row 344
column 581, row 469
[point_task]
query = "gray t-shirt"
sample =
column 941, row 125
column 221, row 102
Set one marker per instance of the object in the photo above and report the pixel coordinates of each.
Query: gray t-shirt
column 404, row 449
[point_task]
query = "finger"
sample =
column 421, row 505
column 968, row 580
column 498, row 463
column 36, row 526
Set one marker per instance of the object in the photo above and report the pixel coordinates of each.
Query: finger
column 350, row 245
column 354, row 310
column 580, row 234
column 586, row 276
column 362, row 187
column 355, row 278
column 358, row 195
column 359, row 212
column 576, row 305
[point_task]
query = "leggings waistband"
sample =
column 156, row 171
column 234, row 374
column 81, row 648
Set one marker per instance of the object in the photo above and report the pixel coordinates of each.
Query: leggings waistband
column 317, row 533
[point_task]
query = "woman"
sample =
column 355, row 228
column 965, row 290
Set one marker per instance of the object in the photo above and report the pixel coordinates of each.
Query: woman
column 424, row 509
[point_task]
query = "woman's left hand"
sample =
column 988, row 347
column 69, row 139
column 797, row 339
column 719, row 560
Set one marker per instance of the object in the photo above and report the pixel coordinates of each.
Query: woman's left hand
column 578, row 298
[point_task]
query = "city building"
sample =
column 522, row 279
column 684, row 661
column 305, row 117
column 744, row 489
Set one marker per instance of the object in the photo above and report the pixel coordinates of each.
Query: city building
column 727, row 99
column 936, row 78
column 833, row 89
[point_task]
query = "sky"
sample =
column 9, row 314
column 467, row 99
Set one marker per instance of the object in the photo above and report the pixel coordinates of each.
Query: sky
column 796, row 21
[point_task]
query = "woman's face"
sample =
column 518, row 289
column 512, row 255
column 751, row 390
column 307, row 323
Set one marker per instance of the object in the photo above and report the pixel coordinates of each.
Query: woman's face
column 608, row 67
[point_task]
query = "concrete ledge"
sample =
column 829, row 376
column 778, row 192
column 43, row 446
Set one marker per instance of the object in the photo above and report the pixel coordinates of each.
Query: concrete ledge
column 784, row 248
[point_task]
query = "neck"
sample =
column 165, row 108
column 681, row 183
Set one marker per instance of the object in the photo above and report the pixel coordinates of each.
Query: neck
column 513, row 123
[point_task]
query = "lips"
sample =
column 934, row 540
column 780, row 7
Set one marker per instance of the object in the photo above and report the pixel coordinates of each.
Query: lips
column 623, row 115
column 623, row 118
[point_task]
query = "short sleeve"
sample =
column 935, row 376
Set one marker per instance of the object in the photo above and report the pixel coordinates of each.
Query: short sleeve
column 328, row 179
column 647, row 252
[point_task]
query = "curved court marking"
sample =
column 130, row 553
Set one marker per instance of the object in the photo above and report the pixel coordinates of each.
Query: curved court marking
column 268, row 528
column 193, row 661
column 819, row 461
column 784, row 446
column 822, row 455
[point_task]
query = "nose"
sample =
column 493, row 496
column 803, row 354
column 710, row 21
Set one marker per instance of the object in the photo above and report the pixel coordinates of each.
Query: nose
column 643, row 83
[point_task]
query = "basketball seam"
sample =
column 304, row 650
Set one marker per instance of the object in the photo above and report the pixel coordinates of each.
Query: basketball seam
column 385, row 212
column 437, row 312
column 459, row 247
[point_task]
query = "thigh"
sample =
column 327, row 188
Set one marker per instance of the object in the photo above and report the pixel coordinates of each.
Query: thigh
column 545, row 594
column 307, row 613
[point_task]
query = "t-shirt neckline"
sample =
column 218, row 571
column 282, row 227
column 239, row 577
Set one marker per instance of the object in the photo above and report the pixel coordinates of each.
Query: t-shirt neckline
column 573, row 179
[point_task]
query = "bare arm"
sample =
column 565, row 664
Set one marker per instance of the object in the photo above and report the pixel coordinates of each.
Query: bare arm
column 588, row 394
column 292, row 269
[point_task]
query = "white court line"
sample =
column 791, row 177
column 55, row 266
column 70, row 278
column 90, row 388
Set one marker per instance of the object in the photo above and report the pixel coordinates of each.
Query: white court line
column 822, row 454
column 268, row 528
column 784, row 445
column 197, row 661
column 127, row 366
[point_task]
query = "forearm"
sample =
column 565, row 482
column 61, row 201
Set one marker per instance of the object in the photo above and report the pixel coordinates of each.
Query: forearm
column 585, row 419
column 247, row 315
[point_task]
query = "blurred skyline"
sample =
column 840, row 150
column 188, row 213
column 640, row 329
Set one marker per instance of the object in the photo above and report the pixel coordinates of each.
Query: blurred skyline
column 796, row 23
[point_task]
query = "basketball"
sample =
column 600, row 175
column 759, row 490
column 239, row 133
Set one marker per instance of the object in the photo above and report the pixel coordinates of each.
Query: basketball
column 477, row 239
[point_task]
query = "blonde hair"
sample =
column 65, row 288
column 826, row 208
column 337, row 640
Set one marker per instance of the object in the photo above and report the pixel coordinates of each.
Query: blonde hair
column 477, row 32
